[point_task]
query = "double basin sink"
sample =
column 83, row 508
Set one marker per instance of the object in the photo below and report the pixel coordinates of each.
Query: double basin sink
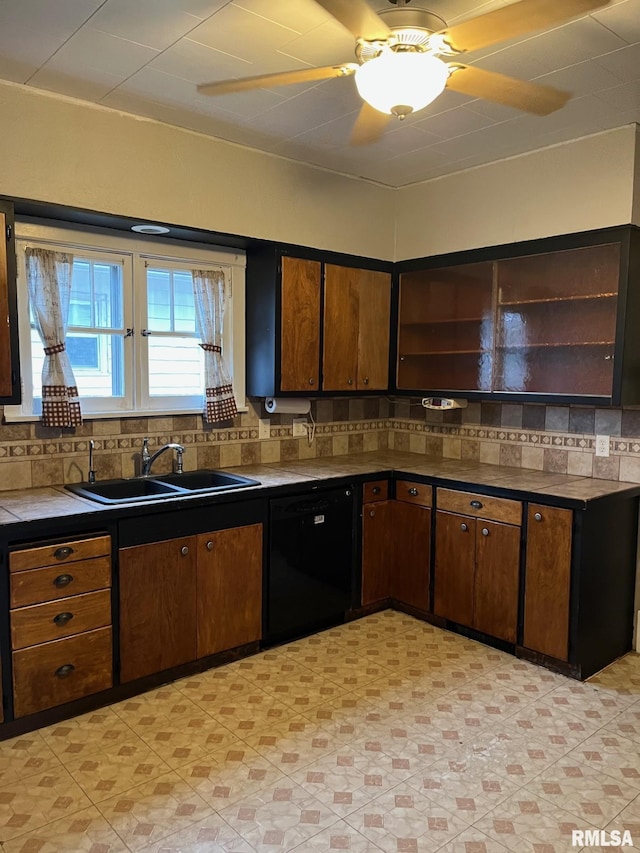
column 138, row 489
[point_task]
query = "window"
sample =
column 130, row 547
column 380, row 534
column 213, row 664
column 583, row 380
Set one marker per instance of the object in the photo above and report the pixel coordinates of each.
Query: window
column 131, row 334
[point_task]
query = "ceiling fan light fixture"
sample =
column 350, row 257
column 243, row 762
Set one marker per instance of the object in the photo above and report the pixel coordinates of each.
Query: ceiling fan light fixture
column 401, row 83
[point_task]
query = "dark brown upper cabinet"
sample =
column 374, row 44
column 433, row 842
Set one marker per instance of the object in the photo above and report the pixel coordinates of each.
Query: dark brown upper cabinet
column 9, row 355
column 314, row 326
column 545, row 320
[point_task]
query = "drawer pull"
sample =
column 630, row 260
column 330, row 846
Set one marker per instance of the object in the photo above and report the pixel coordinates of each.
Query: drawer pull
column 65, row 670
column 476, row 504
column 485, row 532
column 413, row 492
column 350, row 381
column 464, row 527
column 372, row 513
column 63, row 553
column 312, row 381
column 63, row 580
column 538, row 516
column 376, row 490
column 62, row 618
column 366, row 380
column 209, row 545
column 184, row 550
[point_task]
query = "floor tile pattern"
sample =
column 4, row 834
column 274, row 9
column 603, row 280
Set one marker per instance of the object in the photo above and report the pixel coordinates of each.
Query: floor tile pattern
column 385, row 734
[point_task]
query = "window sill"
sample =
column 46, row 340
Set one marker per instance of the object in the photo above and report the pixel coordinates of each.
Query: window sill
column 18, row 418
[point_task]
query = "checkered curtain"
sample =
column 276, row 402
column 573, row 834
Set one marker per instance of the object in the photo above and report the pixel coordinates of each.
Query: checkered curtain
column 209, row 293
column 49, row 282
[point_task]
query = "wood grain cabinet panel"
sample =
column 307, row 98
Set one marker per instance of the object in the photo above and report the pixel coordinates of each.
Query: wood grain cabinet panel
column 59, row 553
column 415, row 493
column 376, row 490
column 157, row 606
column 547, row 580
column 229, row 589
column 6, row 384
column 36, row 586
column 10, row 390
column 300, row 325
column 455, row 560
column 374, row 311
column 377, row 551
column 65, row 617
column 412, row 558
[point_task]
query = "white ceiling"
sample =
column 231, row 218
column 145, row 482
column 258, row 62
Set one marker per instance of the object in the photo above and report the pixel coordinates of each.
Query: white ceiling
column 146, row 57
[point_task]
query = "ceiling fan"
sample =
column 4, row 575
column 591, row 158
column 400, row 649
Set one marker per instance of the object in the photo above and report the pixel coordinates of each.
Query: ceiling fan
column 401, row 65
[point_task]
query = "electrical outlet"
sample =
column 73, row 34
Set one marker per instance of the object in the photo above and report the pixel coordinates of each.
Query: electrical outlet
column 602, row 445
column 299, row 427
column 264, row 428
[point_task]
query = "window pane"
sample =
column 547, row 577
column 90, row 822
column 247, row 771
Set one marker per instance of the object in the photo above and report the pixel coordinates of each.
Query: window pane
column 97, row 361
column 107, row 296
column 184, row 306
column 176, row 367
column 80, row 303
column 159, row 300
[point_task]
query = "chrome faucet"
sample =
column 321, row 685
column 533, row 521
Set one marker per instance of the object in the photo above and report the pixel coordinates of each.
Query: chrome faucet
column 92, row 472
column 148, row 459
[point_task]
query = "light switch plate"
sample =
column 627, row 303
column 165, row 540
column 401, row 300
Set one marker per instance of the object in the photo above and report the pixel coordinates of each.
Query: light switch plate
column 264, row 428
column 299, row 427
column 602, row 445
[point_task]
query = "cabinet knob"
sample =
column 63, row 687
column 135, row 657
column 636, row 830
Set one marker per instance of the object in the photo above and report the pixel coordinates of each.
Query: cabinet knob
column 312, row 381
column 485, row 532
column 464, row 527
column 62, row 619
column 476, row 504
column 366, row 380
column 63, row 553
column 184, row 550
column 413, row 491
column 376, row 490
column 538, row 516
column 349, row 381
column 372, row 513
column 64, row 670
column 62, row 580
column 209, row 545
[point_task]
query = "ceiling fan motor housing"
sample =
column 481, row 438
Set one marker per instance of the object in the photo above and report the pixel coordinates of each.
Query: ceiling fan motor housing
column 411, row 30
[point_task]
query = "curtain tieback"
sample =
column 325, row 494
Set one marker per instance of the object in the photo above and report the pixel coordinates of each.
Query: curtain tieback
column 209, row 348
column 54, row 349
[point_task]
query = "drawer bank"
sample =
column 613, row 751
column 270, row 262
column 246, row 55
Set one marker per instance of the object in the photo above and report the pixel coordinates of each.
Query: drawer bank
column 99, row 603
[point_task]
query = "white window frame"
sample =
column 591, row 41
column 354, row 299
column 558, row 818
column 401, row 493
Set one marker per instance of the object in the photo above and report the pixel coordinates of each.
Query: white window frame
column 134, row 252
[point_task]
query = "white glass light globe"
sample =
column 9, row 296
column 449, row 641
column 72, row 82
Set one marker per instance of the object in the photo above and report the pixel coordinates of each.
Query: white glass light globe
column 401, row 83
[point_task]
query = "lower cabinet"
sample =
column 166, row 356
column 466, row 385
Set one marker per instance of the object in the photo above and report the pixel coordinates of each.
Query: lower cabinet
column 60, row 622
column 189, row 597
column 477, row 565
column 377, row 551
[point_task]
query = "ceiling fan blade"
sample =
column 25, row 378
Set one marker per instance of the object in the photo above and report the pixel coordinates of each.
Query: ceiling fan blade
column 358, row 18
column 282, row 78
column 521, row 94
column 369, row 126
column 515, row 20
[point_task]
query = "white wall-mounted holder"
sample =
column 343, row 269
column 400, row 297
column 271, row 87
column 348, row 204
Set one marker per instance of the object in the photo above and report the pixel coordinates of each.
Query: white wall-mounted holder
column 442, row 404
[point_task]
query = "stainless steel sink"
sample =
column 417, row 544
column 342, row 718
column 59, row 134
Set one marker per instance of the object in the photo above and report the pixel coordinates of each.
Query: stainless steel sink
column 143, row 489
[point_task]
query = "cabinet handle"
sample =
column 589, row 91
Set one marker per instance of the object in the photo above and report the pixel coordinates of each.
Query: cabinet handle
column 372, row 513
column 349, row 381
column 63, row 553
column 538, row 516
column 184, row 550
column 312, row 381
column 209, row 545
column 476, row 504
column 64, row 670
column 485, row 532
column 62, row 618
column 376, row 490
column 366, row 380
column 62, row 580
column 464, row 527
column 413, row 491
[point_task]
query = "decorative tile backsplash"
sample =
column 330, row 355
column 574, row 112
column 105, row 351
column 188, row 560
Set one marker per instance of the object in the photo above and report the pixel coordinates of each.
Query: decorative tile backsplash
column 548, row 438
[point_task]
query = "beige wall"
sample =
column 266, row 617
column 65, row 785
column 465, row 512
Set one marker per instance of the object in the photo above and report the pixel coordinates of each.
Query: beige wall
column 635, row 216
column 60, row 150
column 577, row 186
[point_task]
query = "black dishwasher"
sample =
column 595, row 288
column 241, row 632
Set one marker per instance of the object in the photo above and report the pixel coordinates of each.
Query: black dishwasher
column 311, row 563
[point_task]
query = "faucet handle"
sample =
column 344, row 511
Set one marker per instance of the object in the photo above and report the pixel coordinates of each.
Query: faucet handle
column 179, row 455
column 145, row 449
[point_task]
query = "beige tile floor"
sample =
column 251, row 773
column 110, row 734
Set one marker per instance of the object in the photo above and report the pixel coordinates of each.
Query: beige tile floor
column 383, row 734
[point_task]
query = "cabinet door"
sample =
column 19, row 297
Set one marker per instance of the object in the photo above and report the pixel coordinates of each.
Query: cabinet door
column 340, row 351
column 454, row 567
column 374, row 311
column 229, row 588
column 496, row 583
column 548, row 572
column 300, row 325
column 157, row 607
column 377, row 551
column 412, row 535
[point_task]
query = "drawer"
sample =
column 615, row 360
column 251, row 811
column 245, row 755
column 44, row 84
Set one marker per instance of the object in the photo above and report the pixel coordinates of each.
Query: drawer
column 61, row 671
column 480, row 506
column 39, row 585
column 58, row 553
column 61, row 618
column 376, row 490
column 415, row 493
